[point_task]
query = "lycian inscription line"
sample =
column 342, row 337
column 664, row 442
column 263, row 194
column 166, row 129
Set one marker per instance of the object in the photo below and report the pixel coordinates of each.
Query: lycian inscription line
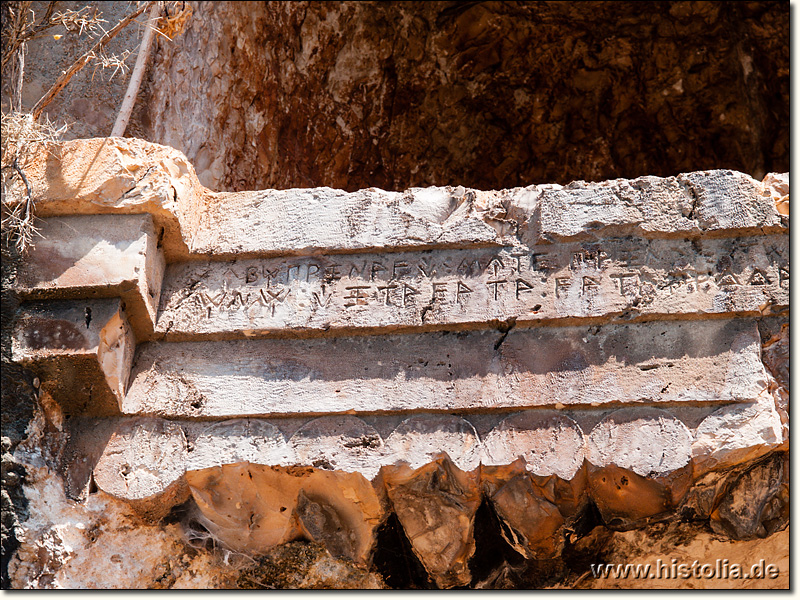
column 458, row 286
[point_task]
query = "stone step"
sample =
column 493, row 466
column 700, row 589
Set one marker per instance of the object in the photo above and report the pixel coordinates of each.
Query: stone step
column 97, row 256
column 619, row 278
column 81, row 350
column 119, row 176
column 657, row 362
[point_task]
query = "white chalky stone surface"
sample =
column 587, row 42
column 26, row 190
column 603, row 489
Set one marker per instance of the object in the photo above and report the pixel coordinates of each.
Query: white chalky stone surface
column 342, row 443
column 420, row 439
column 549, row 442
column 143, row 458
column 648, row 441
column 240, row 440
column 728, row 431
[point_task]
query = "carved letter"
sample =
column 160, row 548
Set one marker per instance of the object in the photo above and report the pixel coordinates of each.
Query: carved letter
column 439, row 290
column 408, row 292
column 462, row 290
column 758, row 278
column 325, row 301
column 399, row 269
column 357, row 295
column 386, row 289
column 496, row 284
column 376, row 268
column 562, row 285
column 628, row 283
column 589, row 283
column 522, row 287
column 309, row 272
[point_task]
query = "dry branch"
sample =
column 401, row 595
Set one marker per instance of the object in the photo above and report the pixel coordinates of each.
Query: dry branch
column 136, row 76
column 63, row 80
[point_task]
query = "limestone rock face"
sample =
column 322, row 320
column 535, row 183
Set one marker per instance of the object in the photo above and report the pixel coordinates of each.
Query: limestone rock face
column 459, row 398
column 510, row 308
column 487, row 95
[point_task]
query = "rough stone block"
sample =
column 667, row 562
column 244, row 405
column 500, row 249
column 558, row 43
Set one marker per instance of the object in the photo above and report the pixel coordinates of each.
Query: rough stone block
column 436, row 506
column 549, row 443
column 776, row 187
column 307, row 221
column 730, row 200
column 688, row 205
column 82, row 350
column 533, row 524
column 757, row 504
column 342, row 443
column 247, row 507
column 547, row 446
column 236, row 441
column 119, row 175
column 644, row 205
column 98, row 256
column 250, row 504
column 736, row 434
column 663, row 362
column 617, row 278
column 421, row 439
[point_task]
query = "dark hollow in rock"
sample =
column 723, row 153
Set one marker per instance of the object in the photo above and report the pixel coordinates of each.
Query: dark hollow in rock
column 395, row 561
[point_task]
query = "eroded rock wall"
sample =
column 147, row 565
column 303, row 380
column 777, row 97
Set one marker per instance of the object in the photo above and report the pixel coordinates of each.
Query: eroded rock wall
column 488, row 95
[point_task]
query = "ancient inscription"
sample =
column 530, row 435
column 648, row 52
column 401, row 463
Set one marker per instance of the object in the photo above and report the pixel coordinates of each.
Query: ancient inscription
column 618, row 275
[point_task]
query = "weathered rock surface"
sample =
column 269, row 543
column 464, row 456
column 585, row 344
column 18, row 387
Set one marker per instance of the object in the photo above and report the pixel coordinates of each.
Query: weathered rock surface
column 639, row 465
column 82, row 350
column 489, row 95
column 620, row 278
column 588, row 309
column 349, row 386
column 98, row 257
column 144, row 463
column 655, row 362
column 757, row 504
column 436, row 506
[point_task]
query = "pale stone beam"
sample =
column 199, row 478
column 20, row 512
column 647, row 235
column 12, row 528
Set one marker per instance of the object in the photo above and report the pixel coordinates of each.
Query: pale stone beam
column 98, row 256
column 131, row 176
column 616, row 279
column 653, row 362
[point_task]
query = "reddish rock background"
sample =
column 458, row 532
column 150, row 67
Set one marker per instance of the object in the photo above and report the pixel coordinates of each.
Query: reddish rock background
column 482, row 94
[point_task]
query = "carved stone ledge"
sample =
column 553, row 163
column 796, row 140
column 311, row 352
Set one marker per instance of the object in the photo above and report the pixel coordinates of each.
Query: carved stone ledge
column 97, row 256
column 302, row 364
column 82, row 351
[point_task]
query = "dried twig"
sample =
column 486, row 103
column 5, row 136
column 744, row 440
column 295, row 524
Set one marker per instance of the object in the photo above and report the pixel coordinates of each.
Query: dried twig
column 63, row 80
column 20, row 32
column 22, row 137
column 128, row 101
